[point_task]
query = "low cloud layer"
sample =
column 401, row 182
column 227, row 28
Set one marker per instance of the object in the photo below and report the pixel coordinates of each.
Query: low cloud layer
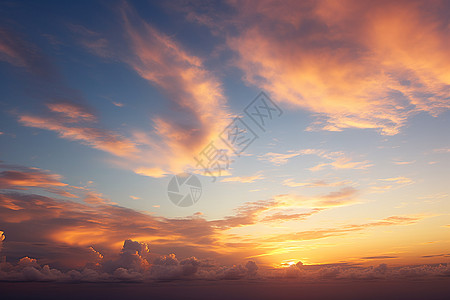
column 134, row 264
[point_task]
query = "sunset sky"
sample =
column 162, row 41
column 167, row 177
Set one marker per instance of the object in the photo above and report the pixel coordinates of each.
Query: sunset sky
column 102, row 103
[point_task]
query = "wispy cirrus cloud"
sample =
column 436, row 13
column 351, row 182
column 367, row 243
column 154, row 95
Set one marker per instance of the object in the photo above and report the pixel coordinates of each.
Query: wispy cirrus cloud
column 15, row 50
column 194, row 92
column 385, row 184
column 244, row 179
column 65, row 112
column 401, row 163
column 342, row 197
column 442, row 150
column 199, row 110
column 323, row 233
column 91, row 40
column 97, row 138
column 316, row 183
column 334, row 159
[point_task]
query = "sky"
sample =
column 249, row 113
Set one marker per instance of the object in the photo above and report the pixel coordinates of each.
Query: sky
column 318, row 131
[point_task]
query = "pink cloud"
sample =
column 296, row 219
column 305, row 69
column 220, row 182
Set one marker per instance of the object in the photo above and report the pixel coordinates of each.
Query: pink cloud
column 194, row 92
column 355, row 64
column 101, row 139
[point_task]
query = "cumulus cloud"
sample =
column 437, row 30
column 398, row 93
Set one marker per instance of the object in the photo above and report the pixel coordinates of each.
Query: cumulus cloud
column 355, row 272
column 131, row 258
column 2, row 238
column 90, row 228
column 168, row 267
column 34, row 225
column 132, row 264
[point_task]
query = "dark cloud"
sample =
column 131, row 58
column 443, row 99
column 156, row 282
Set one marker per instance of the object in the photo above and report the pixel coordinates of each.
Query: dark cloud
column 379, row 257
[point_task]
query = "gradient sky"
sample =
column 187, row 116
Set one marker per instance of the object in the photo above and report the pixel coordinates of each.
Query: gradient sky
column 102, row 102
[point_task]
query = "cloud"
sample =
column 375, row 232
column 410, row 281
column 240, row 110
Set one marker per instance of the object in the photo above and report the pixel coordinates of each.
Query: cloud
column 19, row 53
column 342, row 197
column 398, row 180
column 315, row 183
column 404, row 162
column 338, row 159
column 199, row 111
column 97, row 138
column 379, row 257
column 65, row 113
column 35, row 223
column 2, row 238
column 282, row 217
column 65, row 226
column 72, row 234
column 71, row 112
column 338, row 231
column 132, row 266
column 391, row 183
column 442, row 150
column 151, row 172
column 243, row 179
column 279, row 159
column 436, row 255
column 22, row 178
column 355, row 272
column 95, row 198
column 286, row 208
column 353, row 64
column 131, row 258
column 92, row 41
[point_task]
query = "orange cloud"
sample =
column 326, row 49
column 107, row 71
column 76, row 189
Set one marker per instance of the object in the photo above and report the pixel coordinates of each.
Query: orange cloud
column 323, row 233
column 243, row 179
column 355, row 64
column 71, row 111
column 21, row 178
column 342, row 197
column 390, row 183
column 315, row 183
column 151, row 172
column 101, row 139
column 193, row 91
column 338, row 159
